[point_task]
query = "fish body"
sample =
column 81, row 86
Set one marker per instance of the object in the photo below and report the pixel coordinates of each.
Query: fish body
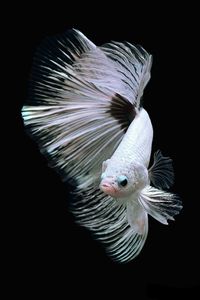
column 132, row 155
column 136, row 144
column 84, row 112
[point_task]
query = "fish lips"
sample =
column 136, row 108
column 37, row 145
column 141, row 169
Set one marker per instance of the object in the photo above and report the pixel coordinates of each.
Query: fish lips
column 108, row 188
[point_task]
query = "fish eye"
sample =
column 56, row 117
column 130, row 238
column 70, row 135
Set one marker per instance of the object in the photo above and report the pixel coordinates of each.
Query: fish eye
column 122, row 180
column 103, row 175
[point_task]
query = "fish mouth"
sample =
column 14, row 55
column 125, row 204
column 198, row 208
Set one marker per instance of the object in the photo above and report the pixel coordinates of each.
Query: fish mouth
column 107, row 188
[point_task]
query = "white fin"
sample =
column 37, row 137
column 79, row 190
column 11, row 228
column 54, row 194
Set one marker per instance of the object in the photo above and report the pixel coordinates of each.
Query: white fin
column 134, row 65
column 104, row 165
column 137, row 216
column 109, row 220
column 82, row 101
column 161, row 173
column 159, row 204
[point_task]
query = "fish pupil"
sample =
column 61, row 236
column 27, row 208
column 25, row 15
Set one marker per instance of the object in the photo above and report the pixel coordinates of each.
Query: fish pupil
column 124, row 182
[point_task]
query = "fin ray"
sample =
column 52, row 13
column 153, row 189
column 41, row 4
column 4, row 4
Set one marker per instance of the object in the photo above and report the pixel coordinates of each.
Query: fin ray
column 161, row 205
column 107, row 219
column 81, row 103
column 76, row 90
column 161, row 173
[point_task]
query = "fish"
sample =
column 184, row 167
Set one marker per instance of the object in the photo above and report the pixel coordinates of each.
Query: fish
column 84, row 111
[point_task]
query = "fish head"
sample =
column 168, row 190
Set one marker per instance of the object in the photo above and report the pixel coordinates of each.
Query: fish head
column 124, row 181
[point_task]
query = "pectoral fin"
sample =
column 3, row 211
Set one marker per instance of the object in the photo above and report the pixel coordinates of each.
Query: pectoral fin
column 161, row 173
column 159, row 204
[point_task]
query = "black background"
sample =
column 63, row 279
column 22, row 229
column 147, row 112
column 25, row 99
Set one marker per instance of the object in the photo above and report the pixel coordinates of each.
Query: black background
column 50, row 253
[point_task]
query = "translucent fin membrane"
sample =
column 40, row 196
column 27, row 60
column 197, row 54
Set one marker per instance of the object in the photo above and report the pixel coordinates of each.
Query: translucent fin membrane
column 107, row 219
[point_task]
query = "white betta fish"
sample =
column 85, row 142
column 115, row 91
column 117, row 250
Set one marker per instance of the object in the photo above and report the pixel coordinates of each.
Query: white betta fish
column 84, row 111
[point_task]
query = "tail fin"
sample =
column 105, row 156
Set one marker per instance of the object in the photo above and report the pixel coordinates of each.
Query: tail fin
column 82, row 100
